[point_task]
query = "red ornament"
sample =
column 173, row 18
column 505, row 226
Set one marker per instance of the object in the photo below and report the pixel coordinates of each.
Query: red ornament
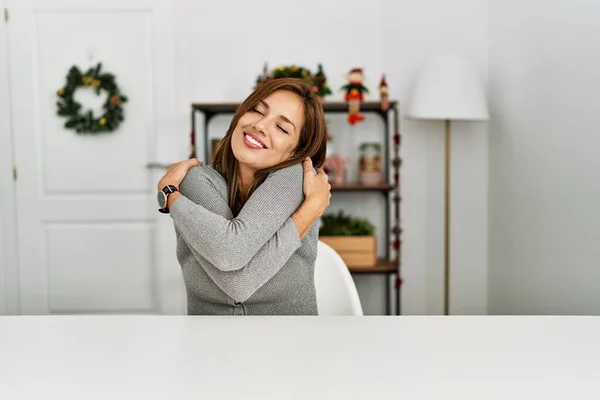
column 399, row 282
column 192, row 145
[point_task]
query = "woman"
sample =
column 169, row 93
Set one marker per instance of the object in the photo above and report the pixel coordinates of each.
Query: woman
column 245, row 226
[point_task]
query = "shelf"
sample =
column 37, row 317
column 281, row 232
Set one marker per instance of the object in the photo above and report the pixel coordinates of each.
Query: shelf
column 391, row 132
column 383, row 266
column 357, row 187
column 333, row 106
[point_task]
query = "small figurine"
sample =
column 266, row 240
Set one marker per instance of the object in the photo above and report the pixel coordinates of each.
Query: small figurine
column 354, row 94
column 383, row 91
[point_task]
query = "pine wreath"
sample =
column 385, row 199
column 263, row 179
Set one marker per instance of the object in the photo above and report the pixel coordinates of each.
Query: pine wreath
column 85, row 121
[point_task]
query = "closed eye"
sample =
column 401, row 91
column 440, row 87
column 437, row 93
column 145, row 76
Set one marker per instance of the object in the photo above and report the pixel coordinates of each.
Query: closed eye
column 282, row 129
column 256, row 111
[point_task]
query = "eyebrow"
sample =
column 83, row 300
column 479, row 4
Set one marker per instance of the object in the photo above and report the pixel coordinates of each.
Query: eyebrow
column 282, row 117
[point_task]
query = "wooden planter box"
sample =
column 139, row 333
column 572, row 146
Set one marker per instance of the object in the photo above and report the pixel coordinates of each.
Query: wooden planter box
column 356, row 251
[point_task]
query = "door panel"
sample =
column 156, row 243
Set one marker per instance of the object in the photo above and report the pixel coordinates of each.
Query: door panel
column 122, row 41
column 90, row 239
column 121, row 279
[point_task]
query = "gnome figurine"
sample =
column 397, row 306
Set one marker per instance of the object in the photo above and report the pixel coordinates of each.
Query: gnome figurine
column 355, row 91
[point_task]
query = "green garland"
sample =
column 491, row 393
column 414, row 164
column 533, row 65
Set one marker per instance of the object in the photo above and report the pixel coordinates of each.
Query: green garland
column 318, row 80
column 86, row 122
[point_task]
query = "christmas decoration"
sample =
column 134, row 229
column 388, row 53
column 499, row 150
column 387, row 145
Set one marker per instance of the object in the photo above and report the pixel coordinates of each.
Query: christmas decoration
column 399, row 282
column 292, row 71
column 86, row 122
column 318, row 80
column 355, row 91
column 383, row 91
column 192, row 145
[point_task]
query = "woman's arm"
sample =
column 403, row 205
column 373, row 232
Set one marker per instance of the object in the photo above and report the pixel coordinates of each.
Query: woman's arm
column 205, row 187
column 231, row 244
column 242, row 283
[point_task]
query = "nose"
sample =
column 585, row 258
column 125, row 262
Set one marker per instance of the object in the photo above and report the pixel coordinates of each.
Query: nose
column 261, row 126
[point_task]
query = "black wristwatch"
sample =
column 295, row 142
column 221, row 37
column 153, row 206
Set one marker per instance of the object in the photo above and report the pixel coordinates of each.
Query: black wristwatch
column 162, row 197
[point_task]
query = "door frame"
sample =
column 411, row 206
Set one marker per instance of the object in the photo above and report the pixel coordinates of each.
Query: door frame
column 9, row 263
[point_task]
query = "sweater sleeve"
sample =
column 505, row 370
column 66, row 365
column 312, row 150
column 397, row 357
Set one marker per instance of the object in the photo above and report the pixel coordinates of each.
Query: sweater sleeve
column 230, row 244
column 204, row 186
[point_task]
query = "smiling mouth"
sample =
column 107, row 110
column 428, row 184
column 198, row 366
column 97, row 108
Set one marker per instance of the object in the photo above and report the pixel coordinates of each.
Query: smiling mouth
column 253, row 140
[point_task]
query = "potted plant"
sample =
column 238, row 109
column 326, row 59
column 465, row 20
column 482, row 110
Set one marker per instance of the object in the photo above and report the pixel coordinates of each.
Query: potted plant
column 353, row 238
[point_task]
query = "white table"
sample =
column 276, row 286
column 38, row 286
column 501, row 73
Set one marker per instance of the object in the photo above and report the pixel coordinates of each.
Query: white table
column 159, row 357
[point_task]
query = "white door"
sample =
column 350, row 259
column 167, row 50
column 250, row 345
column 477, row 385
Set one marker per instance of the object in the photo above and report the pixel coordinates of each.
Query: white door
column 90, row 239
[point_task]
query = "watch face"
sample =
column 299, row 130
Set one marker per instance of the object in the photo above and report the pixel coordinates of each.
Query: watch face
column 162, row 199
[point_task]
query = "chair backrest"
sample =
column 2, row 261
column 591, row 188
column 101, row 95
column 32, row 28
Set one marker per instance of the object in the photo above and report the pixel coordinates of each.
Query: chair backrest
column 336, row 292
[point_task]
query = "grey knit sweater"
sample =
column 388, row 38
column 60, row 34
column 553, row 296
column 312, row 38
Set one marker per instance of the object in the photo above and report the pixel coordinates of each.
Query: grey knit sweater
column 253, row 264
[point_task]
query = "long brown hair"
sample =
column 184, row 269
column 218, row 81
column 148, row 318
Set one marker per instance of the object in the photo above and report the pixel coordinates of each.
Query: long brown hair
column 312, row 142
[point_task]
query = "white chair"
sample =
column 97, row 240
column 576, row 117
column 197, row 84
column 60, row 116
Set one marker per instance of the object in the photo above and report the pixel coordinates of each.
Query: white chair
column 336, row 292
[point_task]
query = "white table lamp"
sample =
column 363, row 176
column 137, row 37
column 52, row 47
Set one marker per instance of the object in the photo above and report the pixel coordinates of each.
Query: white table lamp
column 448, row 88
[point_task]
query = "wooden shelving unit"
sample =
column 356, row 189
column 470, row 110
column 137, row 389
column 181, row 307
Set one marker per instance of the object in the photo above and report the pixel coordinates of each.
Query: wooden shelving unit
column 355, row 187
column 390, row 264
column 382, row 266
column 212, row 109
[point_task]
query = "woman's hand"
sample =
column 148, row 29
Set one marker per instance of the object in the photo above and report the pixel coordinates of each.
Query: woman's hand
column 176, row 172
column 316, row 187
column 317, row 192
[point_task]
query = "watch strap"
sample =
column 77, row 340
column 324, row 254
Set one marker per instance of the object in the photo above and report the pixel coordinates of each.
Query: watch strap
column 167, row 190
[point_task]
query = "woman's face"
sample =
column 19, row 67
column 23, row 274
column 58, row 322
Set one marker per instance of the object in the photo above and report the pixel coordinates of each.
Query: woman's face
column 268, row 134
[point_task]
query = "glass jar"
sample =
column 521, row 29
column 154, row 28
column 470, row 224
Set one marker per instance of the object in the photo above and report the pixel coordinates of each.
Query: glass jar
column 370, row 169
column 370, row 157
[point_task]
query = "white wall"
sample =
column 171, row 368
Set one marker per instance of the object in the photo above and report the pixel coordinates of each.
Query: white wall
column 544, row 143
column 3, row 308
column 7, row 220
column 220, row 53
column 227, row 51
column 413, row 31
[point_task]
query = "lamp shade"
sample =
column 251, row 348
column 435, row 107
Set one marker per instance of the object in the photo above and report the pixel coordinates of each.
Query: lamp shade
column 448, row 88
